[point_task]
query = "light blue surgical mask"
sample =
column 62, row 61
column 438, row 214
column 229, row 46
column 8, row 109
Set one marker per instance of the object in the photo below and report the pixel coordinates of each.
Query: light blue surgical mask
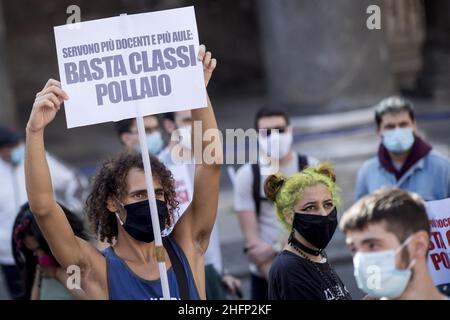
column 398, row 140
column 18, row 154
column 377, row 275
column 155, row 142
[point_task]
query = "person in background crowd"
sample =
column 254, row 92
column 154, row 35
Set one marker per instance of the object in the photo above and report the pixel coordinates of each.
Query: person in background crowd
column 43, row 278
column 70, row 189
column 404, row 159
column 128, row 134
column 178, row 126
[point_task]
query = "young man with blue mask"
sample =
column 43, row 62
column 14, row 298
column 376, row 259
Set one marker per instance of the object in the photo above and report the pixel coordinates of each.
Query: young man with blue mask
column 128, row 134
column 404, row 159
column 389, row 235
column 69, row 186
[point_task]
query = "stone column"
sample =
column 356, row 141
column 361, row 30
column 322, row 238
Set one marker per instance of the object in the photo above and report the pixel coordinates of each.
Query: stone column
column 320, row 53
column 436, row 75
column 7, row 109
column 404, row 22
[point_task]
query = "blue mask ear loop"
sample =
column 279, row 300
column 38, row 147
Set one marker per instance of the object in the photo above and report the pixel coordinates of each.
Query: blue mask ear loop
column 405, row 243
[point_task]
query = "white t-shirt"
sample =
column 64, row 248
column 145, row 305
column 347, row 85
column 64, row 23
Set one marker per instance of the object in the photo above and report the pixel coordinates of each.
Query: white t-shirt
column 270, row 230
column 213, row 255
column 69, row 186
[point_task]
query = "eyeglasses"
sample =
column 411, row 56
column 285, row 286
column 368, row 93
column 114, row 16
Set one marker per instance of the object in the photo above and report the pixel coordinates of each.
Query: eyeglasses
column 272, row 130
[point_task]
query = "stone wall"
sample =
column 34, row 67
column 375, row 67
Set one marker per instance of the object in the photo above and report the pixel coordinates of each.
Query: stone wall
column 319, row 55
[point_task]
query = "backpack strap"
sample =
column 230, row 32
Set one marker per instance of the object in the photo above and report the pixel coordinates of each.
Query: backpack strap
column 180, row 274
column 302, row 162
column 256, row 187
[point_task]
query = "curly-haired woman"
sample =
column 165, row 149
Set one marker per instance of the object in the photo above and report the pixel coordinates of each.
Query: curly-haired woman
column 119, row 213
column 306, row 206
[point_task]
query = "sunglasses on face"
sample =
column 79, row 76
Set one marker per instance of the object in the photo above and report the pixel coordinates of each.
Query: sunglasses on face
column 271, row 130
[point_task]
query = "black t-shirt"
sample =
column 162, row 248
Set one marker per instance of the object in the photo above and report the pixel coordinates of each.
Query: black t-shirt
column 292, row 277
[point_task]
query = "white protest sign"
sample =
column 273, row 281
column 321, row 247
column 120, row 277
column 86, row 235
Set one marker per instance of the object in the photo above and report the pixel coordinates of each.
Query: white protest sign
column 132, row 65
column 439, row 254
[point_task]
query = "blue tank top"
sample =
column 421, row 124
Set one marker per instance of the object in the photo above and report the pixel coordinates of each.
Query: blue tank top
column 124, row 284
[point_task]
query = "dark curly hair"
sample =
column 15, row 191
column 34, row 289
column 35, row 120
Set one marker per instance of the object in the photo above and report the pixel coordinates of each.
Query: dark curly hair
column 25, row 225
column 110, row 180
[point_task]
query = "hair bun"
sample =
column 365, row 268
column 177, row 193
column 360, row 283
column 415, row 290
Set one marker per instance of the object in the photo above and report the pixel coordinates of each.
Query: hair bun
column 272, row 185
column 327, row 170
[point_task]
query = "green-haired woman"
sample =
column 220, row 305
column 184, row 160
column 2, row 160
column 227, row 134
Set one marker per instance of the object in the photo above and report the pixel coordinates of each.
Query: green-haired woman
column 306, row 205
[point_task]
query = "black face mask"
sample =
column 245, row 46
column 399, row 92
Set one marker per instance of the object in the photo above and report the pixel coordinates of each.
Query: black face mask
column 138, row 223
column 317, row 230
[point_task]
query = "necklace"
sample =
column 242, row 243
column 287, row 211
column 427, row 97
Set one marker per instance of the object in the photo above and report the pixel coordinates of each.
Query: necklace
column 338, row 293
